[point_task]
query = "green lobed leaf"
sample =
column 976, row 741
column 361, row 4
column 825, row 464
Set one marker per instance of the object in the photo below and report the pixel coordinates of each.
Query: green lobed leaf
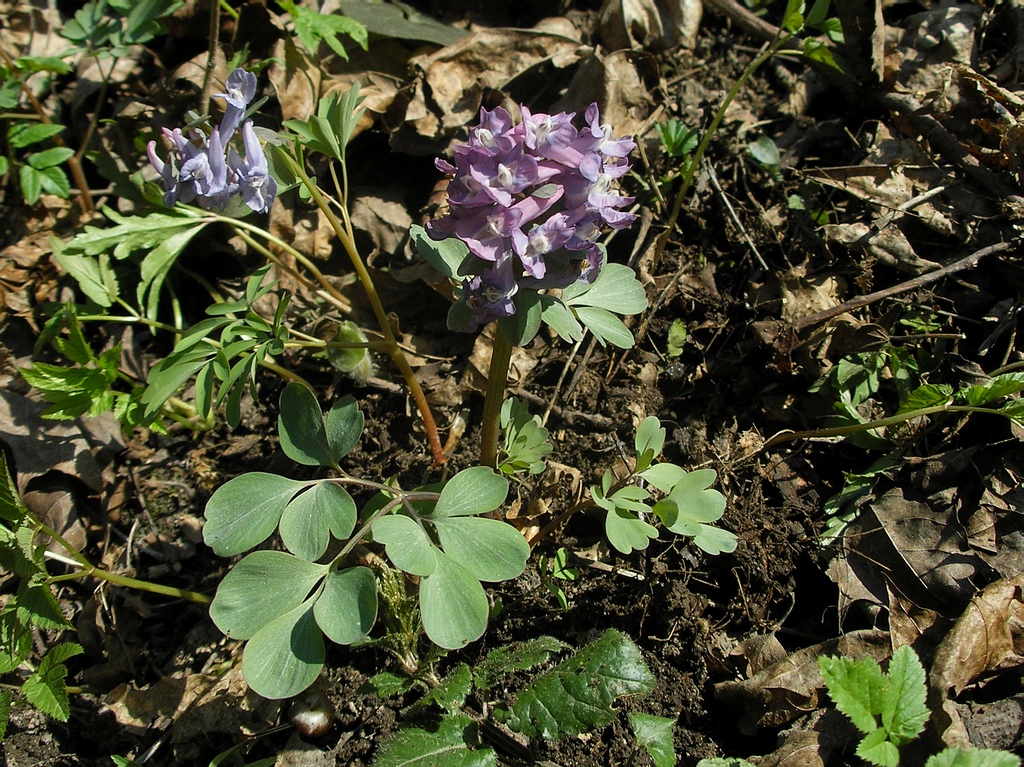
column 714, row 540
column 261, row 588
column 663, row 476
column 447, row 746
column 157, row 263
column 347, row 607
column 649, row 442
column 301, row 427
column 521, row 327
column 490, row 549
column 344, row 427
column 626, row 531
column 518, row 656
column 973, row 757
column 245, row 510
column 616, row 289
column 606, row 327
column 476, row 490
column 285, row 656
column 406, row 543
column 311, row 516
column 654, row 733
column 878, row 750
column 450, row 694
column 453, row 605
column 45, row 688
column 694, row 503
column 445, row 256
column 556, row 315
column 577, row 695
column 856, row 687
column 905, row 714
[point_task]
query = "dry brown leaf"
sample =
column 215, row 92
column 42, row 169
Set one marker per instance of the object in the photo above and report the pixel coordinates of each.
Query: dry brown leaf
column 380, row 213
column 988, row 638
column 651, row 24
column 890, row 245
column 791, row 687
column 296, row 81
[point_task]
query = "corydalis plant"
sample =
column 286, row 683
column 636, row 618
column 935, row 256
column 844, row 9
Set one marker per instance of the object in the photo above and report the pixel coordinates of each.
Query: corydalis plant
column 529, row 200
column 211, row 171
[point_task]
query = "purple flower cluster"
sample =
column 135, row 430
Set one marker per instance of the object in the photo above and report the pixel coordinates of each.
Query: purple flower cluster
column 211, row 171
column 530, row 200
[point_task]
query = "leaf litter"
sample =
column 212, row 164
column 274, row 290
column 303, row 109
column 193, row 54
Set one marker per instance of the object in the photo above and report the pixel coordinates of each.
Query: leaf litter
column 921, row 171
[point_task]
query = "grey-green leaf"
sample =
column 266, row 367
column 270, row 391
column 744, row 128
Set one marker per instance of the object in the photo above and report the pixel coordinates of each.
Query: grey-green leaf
column 344, row 426
column 301, row 427
column 347, row 607
column 261, row 588
column 472, row 491
column 446, row 256
column 490, row 549
column 285, row 656
column 310, row 517
column 406, row 544
column 453, row 605
column 577, row 695
column 244, row 511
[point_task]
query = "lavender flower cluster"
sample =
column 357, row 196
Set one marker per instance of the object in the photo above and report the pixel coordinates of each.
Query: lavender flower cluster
column 530, row 200
column 211, row 171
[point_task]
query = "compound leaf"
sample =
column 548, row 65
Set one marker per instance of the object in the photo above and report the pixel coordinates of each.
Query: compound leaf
column 878, row 749
column 856, row 687
column 577, row 695
column 261, row 588
column 245, row 510
column 347, row 606
column 285, row 657
column 616, row 289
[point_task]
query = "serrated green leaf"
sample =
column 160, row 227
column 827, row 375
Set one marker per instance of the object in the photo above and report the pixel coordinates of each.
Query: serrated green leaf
column 447, row 746
column 385, row 684
column 301, row 427
column 446, row 256
column 453, row 604
column 45, row 688
column 856, row 687
column 450, row 694
column 724, row 761
column 476, row 490
column 21, row 135
column 12, row 508
column 285, row 656
column 995, row 388
column 928, row 395
column 973, row 757
column 626, row 531
column 577, row 695
column 490, row 549
column 676, row 338
column 36, row 603
column 875, row 748
column 793, row 18
column 261, row 588
column 5, row 711
column 906, row 713
column 347, row 607
column 31, row 183
column 50, row 157
column 654, row 733
column 244, row 511
column 406, row 543
column 518, row 656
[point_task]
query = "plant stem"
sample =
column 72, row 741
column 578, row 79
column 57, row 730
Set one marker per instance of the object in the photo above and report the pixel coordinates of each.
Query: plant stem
column 842, row 431
column 497, row 378
column 393, row 349
column 705, row 141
